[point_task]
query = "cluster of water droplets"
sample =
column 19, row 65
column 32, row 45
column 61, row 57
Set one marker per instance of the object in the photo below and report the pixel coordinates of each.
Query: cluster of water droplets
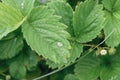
column 22, row 5
column 60, row 44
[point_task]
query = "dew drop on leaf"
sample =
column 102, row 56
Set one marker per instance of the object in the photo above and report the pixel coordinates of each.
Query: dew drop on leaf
column 60, row 44
column 22, row 5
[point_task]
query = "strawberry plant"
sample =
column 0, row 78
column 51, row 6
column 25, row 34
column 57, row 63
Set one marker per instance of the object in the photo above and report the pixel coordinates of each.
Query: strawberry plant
column 59, row 39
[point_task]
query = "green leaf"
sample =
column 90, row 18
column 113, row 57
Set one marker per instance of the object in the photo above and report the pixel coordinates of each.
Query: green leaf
column 10, row 19
column 54, row 65
column 25, row 6
column 30, row 60
column 115, row 78
column 109, row 73
column 111, row 66
column 10, row 47
column 46, row 35
column 70, row 77
column 58, row 0
column 65, row 11
column 112, row 28
column 44, row 2
column 3, row 66
column 75, row 51
column 112, row 22
column 61, row 75
column 88, row 68
column 26, row 60
column 17, row 70
column 88, row 20
column 34, row 74
column 106, row 67
column 113, row 7
column 9, row 36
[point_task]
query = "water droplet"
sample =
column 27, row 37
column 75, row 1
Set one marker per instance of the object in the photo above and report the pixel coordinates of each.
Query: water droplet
column 59, row 44
column 22, row 5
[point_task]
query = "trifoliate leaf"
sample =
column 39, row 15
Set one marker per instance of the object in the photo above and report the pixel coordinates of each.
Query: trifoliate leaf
column 46, row 35
column 88, row 20
column 112, row 22
column 88, row 68
column 10, row 19
column 25, row 6
column 75, row 51
column 70, row 77
column 10, row 47
column 65, row 11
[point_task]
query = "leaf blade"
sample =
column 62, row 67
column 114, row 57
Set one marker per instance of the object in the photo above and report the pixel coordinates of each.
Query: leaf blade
column 10, row 48
column 88, row 66
column 76, row 50
column 65, row 11
column 24, row 6
column 88, row 20
column 46, row 35
column 112, row 15
column 10, row 19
